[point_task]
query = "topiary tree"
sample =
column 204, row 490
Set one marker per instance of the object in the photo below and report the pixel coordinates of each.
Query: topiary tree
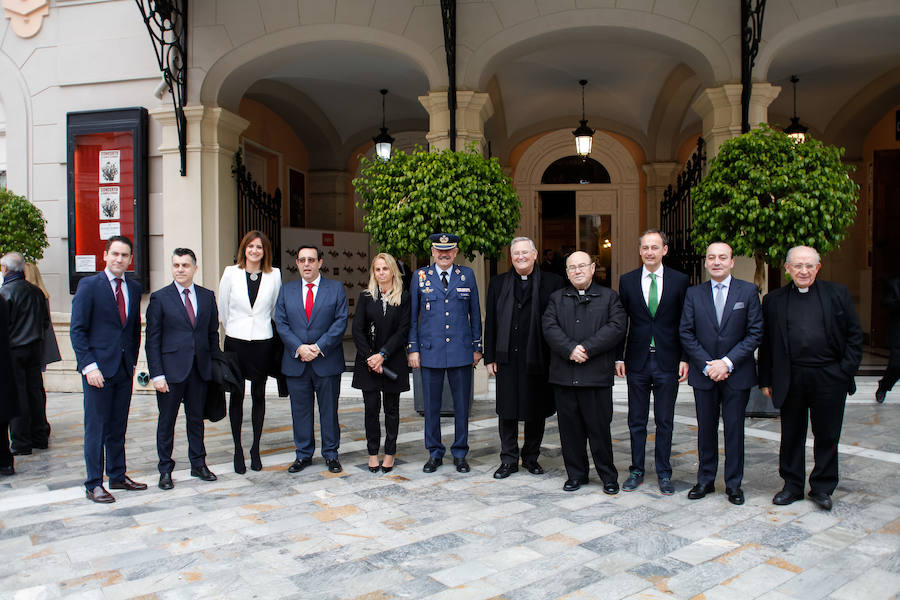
column 21, row 227
column 411, row 196
column 766, row 193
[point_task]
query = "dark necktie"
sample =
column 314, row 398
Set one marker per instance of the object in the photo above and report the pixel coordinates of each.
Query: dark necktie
column 189, row 307
column 120, row 300
column 444, row 279
column 309, row 301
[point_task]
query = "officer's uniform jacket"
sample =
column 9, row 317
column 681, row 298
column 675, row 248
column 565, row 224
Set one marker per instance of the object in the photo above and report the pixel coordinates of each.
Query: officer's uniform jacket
column 446, row 326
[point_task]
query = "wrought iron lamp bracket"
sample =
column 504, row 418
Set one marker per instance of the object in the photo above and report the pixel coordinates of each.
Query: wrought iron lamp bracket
column 752, row 12
column 166, row 21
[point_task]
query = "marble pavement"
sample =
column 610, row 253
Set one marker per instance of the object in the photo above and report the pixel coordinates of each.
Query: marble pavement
column 407, row 534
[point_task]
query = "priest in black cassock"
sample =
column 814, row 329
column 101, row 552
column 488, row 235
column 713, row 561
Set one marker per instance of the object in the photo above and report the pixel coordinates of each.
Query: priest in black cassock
column 516, row 354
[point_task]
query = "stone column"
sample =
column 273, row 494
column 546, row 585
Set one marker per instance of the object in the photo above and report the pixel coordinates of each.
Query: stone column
column 659, row 176
column 720, row 109
column 473, row 109
column 199, row 210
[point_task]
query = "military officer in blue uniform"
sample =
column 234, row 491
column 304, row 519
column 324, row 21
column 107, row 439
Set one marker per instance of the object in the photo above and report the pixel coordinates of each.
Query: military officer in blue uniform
column 445, row 337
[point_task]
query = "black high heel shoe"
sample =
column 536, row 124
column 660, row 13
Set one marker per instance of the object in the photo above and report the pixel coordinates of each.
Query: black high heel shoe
column 255, row 461
column 374, row 469
column 385, row 469
column 239, row 466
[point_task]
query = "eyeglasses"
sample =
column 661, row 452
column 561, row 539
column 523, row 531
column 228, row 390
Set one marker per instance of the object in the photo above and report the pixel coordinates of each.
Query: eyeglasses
column 581, row 267
column 798, row 266
column 306, row 259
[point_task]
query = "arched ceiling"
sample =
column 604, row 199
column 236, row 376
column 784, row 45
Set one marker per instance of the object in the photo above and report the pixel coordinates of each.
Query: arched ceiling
column 835, row 66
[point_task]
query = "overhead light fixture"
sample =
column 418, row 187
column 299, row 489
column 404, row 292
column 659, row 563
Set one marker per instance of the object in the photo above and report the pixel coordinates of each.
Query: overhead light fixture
column 584, row 135
column 383, row 141
column 795, row 130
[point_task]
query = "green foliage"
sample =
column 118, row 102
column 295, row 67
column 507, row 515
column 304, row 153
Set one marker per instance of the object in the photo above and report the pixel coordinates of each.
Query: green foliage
column 411, row 196
column 21, row 227
column 766, row 193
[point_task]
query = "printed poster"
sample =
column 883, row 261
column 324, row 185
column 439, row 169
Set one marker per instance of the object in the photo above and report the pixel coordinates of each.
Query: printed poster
column 110, row 167
column 109, row 203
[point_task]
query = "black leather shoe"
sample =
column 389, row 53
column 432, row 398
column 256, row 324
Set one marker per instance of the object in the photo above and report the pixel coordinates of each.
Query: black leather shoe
column 99, row 495
column 785, row 497
column 665, row 486
column 203, row 473
column 880, row 395
column 22, row 452
column 700, row 491
column 127, row 484
column 611, row 488
column 635, row 479
column 735, row 496
column 334, row 465
column 165, row 481
column 461, row 465
column 573, row 484
column 299, row 464
column 505, row 470
column 432, row 465
column 8, row 470
column 821, row 499
column 533, row 467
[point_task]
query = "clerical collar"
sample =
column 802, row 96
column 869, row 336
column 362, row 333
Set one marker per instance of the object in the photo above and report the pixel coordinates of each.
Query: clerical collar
column 524, row 277
column 581, row 292
column 802, row 290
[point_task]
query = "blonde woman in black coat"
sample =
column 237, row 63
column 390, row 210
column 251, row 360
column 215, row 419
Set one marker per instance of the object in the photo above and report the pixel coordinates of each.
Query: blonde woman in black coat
column 380, row 329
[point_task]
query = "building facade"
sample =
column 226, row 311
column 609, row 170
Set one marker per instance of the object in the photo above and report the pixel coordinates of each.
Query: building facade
column 295, row 84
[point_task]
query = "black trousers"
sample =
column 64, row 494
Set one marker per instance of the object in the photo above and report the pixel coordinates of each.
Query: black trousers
column 732, row 404
column 372, row 401
column 509, row 440
column 817, row 395
column 30, row 428
column 584, row 415
column 6, row 457
column 664, row 385
column 890, row 377
column 191, row 392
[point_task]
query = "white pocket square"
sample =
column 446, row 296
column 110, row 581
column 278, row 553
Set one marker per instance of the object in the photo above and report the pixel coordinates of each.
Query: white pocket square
column 738, row 305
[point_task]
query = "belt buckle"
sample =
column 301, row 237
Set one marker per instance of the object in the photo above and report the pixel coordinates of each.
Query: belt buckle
column 652, row 350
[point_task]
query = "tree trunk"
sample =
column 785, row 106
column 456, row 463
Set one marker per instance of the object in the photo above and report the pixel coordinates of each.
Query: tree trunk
column 759, row 278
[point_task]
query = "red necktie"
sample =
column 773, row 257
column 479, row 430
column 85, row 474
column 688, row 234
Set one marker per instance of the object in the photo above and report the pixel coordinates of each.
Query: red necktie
column 189, row 307
column 120, row 300
column 309, row 301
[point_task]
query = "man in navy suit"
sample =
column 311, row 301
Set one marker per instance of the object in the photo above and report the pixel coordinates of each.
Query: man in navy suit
column 653, row 359
column 311, row 318
column 721, row 326
column 106, row 337
column 182, row 331
column 445, row 337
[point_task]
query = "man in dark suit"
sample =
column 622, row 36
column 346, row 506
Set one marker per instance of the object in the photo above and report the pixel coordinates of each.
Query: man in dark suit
column 890, row 300
column 106, row 337
column 445, row 337
column 811, row 349
column 182, row 331
column 517, row 355
column 8, row 407
column 311, row 318
column 653, row 359
column 584, row 324
column 721, row 326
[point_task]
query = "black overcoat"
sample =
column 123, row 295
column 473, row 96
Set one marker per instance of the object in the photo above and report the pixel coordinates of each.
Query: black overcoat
column 513, row 339
column 391, row 330
column 595, row 320
column 8, row 402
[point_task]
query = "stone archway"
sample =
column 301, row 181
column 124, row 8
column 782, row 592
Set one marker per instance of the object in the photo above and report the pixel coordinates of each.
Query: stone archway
column 17, row 106
column 621, row 195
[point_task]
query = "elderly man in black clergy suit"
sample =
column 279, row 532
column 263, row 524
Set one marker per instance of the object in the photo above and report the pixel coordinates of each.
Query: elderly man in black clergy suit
column 583, row 325
column 811, row 349
column 182, row 331
column 651, row 358
column 721, row 326
column 517, row 355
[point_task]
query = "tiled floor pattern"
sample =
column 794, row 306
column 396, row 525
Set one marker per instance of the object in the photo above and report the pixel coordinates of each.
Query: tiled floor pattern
column 446, row 535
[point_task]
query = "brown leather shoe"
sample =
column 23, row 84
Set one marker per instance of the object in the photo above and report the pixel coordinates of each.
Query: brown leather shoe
column 99, row 495
column 127, row 484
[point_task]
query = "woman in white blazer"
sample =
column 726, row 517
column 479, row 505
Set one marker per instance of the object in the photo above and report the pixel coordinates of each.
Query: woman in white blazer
column 247, row 294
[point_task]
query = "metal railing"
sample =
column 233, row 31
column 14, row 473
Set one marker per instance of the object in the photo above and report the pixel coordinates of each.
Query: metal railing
column 676, row 217
column 257, row 209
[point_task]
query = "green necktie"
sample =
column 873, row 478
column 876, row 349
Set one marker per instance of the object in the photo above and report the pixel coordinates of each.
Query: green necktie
column 653, row 302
